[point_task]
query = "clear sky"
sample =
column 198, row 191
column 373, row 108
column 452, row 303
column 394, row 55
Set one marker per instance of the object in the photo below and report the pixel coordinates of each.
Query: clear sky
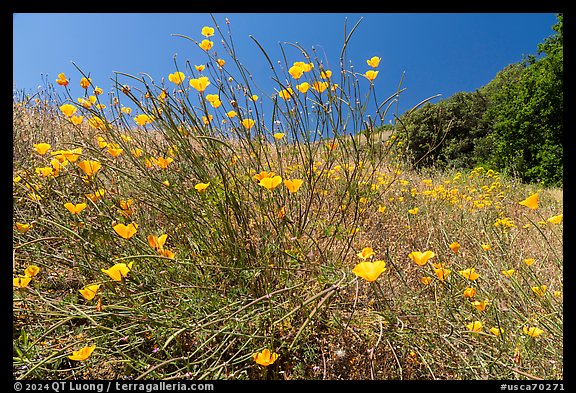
column 440, row 53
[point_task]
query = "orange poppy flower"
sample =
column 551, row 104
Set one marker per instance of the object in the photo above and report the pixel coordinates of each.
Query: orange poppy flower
column 82, row 354
column 265, row 358
column 370, row 271
column 126, row 231
column 531, row 202
column 75, row 209
column 118, row 271
column 421, row 257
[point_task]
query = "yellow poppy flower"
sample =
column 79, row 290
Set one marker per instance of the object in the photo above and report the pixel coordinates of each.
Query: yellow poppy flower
column 231, row 114
column 143, row 119
column 481, row 305
column 98, row 91
column 21, row 282
column 118, row 271
column 200, row 84
column 96, row 196
column 35, row 197
column 319, row 86
column 325, row 74
column 166, row 253
column 31, row 271
column 374, row 61
column 426, row 280
column 126, row 204
column 286, row 94
column 45, row 171
column 22, row 228
column 303, row 87
column 212, row 97
column 469, row 273
column 413, row 211
column 279, row 135
column 75, row 209
column 469, row 292
column 262, row 175
column 540, row 291
column 421, row 257
column 486, row 247
column 221, row 62
column 42, row 148
column 89, row 167
column 200, row 67
column 369, row 271
column 85, row 103
column 270, row 182
column 371, row 75
column 89, row 291
column 126, row 231
column 293, row 185
column 72, row 155
column 306, row 67
column 455, row 246
column 367, row 252
column 101, row 142
column 532, row 331
column 201, row 187
column 206, row 45
column 85, row 82
column 248, row 123
column 496, row 331
column 556, row 219
column 62, row 81
column 296, row 71
column 442, row 273
column 76, row 120
column 207, row 31
column 529, row 261
column 508, row 273
column 126, row 110
column 97, row 123
column 475, row 326
column 265, row 357
column 157, row 242
column 68, row 109
column 163, row 162
column 115, row 152
column 177, row 77
column 82, row 354
column 531, row 201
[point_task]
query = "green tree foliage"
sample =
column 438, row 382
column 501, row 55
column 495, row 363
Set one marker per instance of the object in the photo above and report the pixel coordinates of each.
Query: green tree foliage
column 446, row 133
column 512, row 124
column 527, row 117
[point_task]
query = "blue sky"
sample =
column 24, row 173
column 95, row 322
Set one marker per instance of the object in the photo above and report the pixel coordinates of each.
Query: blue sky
column 440, row 53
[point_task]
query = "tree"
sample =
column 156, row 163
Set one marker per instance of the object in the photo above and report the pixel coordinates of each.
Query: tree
column 446, row 133
column 526, row 117
column 512, row 124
